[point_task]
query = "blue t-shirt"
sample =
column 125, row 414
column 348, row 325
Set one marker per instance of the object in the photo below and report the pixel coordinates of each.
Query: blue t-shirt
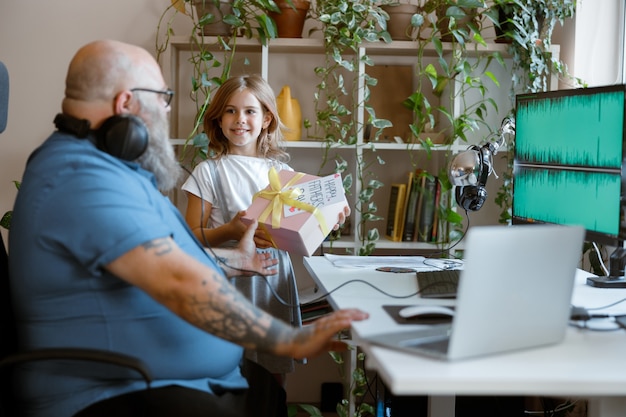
column 77, row 210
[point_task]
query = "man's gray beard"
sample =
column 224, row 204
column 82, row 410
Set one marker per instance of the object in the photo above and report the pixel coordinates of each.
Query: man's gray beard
column 159, row 158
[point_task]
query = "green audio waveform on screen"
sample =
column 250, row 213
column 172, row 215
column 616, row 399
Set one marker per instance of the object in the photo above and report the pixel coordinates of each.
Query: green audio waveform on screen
column 580, row 129
column 590, row 199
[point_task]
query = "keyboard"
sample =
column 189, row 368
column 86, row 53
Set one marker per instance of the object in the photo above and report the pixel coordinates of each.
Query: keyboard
column 441, row 283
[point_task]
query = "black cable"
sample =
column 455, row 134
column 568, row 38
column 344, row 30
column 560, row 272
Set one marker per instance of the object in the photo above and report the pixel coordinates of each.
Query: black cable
column 580, row 317
column 265, row 277
column 361, row 281
column 584, row 325
column 606, row 306
column 448, row 249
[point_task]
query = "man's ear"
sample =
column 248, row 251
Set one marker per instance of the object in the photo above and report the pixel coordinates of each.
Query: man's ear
column 122, row 102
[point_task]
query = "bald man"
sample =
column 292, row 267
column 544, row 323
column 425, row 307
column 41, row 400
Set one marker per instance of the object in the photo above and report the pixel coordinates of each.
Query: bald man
column 101, row 259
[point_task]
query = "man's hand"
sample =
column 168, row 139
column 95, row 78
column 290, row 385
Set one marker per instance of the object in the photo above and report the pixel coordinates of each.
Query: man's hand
column 320, row 336
column 261, row 238
column 245, row 260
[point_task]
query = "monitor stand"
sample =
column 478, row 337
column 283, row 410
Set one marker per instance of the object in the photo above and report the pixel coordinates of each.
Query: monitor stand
column 616, row 278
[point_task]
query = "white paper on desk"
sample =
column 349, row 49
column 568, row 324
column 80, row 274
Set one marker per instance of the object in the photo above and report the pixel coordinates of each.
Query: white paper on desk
column 373, row 262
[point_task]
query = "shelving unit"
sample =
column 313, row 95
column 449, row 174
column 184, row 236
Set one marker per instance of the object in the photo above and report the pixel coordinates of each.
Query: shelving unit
column 291, row 62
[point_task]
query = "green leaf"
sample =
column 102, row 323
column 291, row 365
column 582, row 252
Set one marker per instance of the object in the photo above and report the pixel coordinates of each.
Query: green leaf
column 312, row 410
column 417, row 20
column 381, row 123
column 6, row 220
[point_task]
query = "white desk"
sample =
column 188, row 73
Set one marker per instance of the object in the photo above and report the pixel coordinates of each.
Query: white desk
column 588, row 364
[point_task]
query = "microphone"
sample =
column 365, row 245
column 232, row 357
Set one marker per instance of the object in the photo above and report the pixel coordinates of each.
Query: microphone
column 469, row 170
column 4, row 96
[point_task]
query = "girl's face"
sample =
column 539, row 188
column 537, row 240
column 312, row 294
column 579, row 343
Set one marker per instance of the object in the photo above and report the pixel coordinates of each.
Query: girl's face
column 242, row 122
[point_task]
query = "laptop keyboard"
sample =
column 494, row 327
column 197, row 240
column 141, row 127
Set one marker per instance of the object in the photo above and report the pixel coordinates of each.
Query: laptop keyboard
column 441, row 283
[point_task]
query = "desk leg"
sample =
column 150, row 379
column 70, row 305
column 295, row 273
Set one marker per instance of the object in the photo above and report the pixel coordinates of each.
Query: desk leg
column 441, row 406
column 607, row 407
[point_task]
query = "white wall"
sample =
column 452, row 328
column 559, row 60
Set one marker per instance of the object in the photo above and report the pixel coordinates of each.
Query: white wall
column 599, row 42
column 37, row 40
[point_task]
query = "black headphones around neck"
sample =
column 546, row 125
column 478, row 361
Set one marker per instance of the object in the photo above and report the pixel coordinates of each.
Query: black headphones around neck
column 472, row 197
column 122, row 136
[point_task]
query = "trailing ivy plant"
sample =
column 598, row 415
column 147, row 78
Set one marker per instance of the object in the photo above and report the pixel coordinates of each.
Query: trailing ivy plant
column 341, row 94
column 356, row 406
column 249, row 19
column 455, row 71
column 528, row 26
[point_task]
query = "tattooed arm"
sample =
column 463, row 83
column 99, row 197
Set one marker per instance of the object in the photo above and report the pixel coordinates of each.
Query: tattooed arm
column 203, row 297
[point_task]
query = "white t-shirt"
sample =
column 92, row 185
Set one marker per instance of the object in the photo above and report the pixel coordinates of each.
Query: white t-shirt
column 240, row 177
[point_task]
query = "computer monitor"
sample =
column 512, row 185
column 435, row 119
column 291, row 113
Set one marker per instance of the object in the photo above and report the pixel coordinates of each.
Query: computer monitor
column 569, row 166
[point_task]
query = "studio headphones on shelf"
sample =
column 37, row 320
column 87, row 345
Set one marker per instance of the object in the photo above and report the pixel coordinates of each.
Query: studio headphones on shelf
column 469, row 170
column 122, row 136
column 471, row 193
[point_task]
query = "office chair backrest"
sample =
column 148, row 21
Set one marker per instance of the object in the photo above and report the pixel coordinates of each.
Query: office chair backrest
column 7, row 326
column 8, row 337
column 7, row 323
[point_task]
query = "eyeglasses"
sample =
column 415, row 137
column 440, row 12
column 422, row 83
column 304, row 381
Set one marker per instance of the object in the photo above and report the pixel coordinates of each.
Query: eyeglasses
column 169, row 94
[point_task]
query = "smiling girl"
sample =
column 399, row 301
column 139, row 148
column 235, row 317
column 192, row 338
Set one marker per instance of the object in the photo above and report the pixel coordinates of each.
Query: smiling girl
column 245, row 141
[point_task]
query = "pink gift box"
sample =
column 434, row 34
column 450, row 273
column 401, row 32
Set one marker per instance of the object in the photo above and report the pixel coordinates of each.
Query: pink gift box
column 299, row 231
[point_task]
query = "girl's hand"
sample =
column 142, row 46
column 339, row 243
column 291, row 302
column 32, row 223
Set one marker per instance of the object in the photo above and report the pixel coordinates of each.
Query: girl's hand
column 342, row 217
column 262, row 239
column 238, row 228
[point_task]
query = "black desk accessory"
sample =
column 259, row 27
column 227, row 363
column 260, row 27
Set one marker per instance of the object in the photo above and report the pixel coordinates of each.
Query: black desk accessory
column 617, row 264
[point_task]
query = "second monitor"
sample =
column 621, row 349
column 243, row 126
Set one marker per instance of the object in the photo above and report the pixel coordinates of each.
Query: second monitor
column 570, row 150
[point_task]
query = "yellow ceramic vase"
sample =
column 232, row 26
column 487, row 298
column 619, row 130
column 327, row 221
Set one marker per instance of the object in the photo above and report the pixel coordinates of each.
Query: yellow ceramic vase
column 290, row 114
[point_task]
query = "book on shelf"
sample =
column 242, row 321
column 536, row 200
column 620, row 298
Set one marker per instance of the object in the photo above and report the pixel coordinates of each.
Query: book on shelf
column 312, row 311
column 422, row 176
column 443, row 227
column 427, row 209
column 412, row 195
column 435, row 232
column 395, row 212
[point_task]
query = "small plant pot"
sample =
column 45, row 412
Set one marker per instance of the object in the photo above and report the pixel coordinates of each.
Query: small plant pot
column 220, row 9
column 290, row 22
column 399, row 23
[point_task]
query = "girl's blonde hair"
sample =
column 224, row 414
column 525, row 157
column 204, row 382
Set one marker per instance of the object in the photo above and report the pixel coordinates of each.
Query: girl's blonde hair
column 270, row 143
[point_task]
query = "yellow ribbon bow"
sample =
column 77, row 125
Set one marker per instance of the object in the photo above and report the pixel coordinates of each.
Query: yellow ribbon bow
column 280, row 195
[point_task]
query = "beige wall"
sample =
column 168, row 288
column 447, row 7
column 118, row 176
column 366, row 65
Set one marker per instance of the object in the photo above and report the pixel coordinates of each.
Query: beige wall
column 37, row 40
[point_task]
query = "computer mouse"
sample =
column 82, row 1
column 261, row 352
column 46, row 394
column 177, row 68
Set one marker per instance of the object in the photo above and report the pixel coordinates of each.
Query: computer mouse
column 426, row 311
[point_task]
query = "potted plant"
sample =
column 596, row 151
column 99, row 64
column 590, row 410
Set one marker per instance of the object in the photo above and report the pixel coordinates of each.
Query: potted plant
column 528, row 26
column 290, row 20
column 455, row 19
column 400, row 14
column 341, row 112
column 246, row 18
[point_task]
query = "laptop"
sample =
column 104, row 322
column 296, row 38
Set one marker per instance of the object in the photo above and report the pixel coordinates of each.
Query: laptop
column 514, row 293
